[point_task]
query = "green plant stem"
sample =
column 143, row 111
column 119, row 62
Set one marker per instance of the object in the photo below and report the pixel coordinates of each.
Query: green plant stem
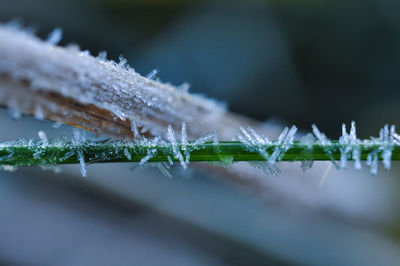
column 105, row 152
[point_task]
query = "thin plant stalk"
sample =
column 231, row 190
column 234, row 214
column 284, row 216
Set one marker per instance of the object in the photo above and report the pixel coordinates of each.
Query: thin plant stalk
column 117, row 151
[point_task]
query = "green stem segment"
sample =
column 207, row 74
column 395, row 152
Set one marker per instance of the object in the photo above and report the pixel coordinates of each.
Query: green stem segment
column 104, row 152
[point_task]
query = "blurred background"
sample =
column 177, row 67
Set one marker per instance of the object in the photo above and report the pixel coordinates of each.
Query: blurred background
column 286, row 62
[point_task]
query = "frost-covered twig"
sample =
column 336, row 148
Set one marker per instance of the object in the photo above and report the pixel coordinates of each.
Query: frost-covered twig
column 71, row 86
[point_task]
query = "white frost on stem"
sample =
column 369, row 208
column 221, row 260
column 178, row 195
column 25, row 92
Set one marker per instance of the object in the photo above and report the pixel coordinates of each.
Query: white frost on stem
column 176, row 152
column 43, row 138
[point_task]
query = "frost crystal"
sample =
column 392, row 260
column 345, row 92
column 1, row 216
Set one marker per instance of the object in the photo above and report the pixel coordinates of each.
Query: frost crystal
column 43, row 138
column 176, row 152
column 254, row 142
column 307, row 140
column 127, row 154
column 324, row 141
column 153, row 74
column 372, row 161
column 170, row 160
column 102, row 56
column 82, row 164
column 150, row 154
column 184, row 143
column 284, row 142
column 184, row 87
column 207, row 137
column 387, row 143
column 134, row 129
column 79, row 139
column 288, row 142
column 55, row 36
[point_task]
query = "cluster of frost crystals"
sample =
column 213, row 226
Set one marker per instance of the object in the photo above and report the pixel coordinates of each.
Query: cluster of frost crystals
column 388, row 138
column 350, row 143
column 326, row 143
column 176, row 151
column 285, row 142
column 255, row 142
column 206, row 138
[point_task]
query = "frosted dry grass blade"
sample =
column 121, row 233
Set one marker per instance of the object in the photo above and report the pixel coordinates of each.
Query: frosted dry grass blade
column 81, row 90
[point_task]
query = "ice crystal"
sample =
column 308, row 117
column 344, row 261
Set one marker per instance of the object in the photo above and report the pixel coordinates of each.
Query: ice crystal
column 254, row 142
column 176, row 152
column 184, row 143
column 308, row 141
column 43, row 138
column 82, row 164
column 324, row 141
column 79, row 139
column 372, row 161
column 153, row 74
column 170, row 160
column 387, row 145
column 184, row 87
column 127, row 154
column 134, row 129
column 102, row 56
column 288, row 141
column 350, row 143
column 55, row 36
column 78, row 136
column 150, row 154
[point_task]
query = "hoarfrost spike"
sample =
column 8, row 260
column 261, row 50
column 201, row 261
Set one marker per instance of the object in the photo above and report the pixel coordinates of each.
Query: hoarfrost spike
column 172, row 139
column 43, row 138
column 82, row 164
column 153, row 74
column 55, row 36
